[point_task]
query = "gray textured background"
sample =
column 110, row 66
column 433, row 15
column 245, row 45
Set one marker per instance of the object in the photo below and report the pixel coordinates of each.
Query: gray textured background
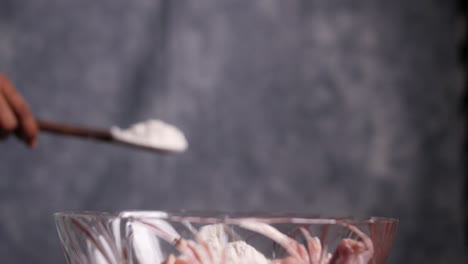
column 333, row 107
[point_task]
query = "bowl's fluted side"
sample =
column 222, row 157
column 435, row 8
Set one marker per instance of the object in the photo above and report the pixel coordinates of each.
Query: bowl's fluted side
column 148, row 238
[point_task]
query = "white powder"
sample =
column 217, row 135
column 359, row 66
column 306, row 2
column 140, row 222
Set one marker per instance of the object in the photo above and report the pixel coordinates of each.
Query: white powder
column 215, row 237
column 237, row 252
column 153, row 134
column 240, row 252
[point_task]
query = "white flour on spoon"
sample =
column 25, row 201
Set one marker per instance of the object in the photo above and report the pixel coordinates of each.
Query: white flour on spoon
column 153, row 134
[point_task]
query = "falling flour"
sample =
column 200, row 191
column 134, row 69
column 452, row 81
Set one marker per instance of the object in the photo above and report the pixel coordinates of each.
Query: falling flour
column 153, row 134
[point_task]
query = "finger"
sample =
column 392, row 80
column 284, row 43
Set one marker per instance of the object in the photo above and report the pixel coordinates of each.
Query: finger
column 27, row 123
column 8, row 122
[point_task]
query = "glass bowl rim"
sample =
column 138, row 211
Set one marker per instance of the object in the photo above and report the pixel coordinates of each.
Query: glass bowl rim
column 225, row 217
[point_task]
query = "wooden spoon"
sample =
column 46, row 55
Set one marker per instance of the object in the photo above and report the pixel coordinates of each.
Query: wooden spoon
column 103, row 135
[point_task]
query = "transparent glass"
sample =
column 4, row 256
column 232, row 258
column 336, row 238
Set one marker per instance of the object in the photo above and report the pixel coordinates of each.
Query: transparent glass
column 150, row 237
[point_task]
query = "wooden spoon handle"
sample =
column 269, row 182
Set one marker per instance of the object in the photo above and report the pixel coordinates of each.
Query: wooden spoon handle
column 76, row 131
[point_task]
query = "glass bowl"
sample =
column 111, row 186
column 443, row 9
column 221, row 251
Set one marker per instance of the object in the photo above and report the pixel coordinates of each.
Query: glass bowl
column 149, row 237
